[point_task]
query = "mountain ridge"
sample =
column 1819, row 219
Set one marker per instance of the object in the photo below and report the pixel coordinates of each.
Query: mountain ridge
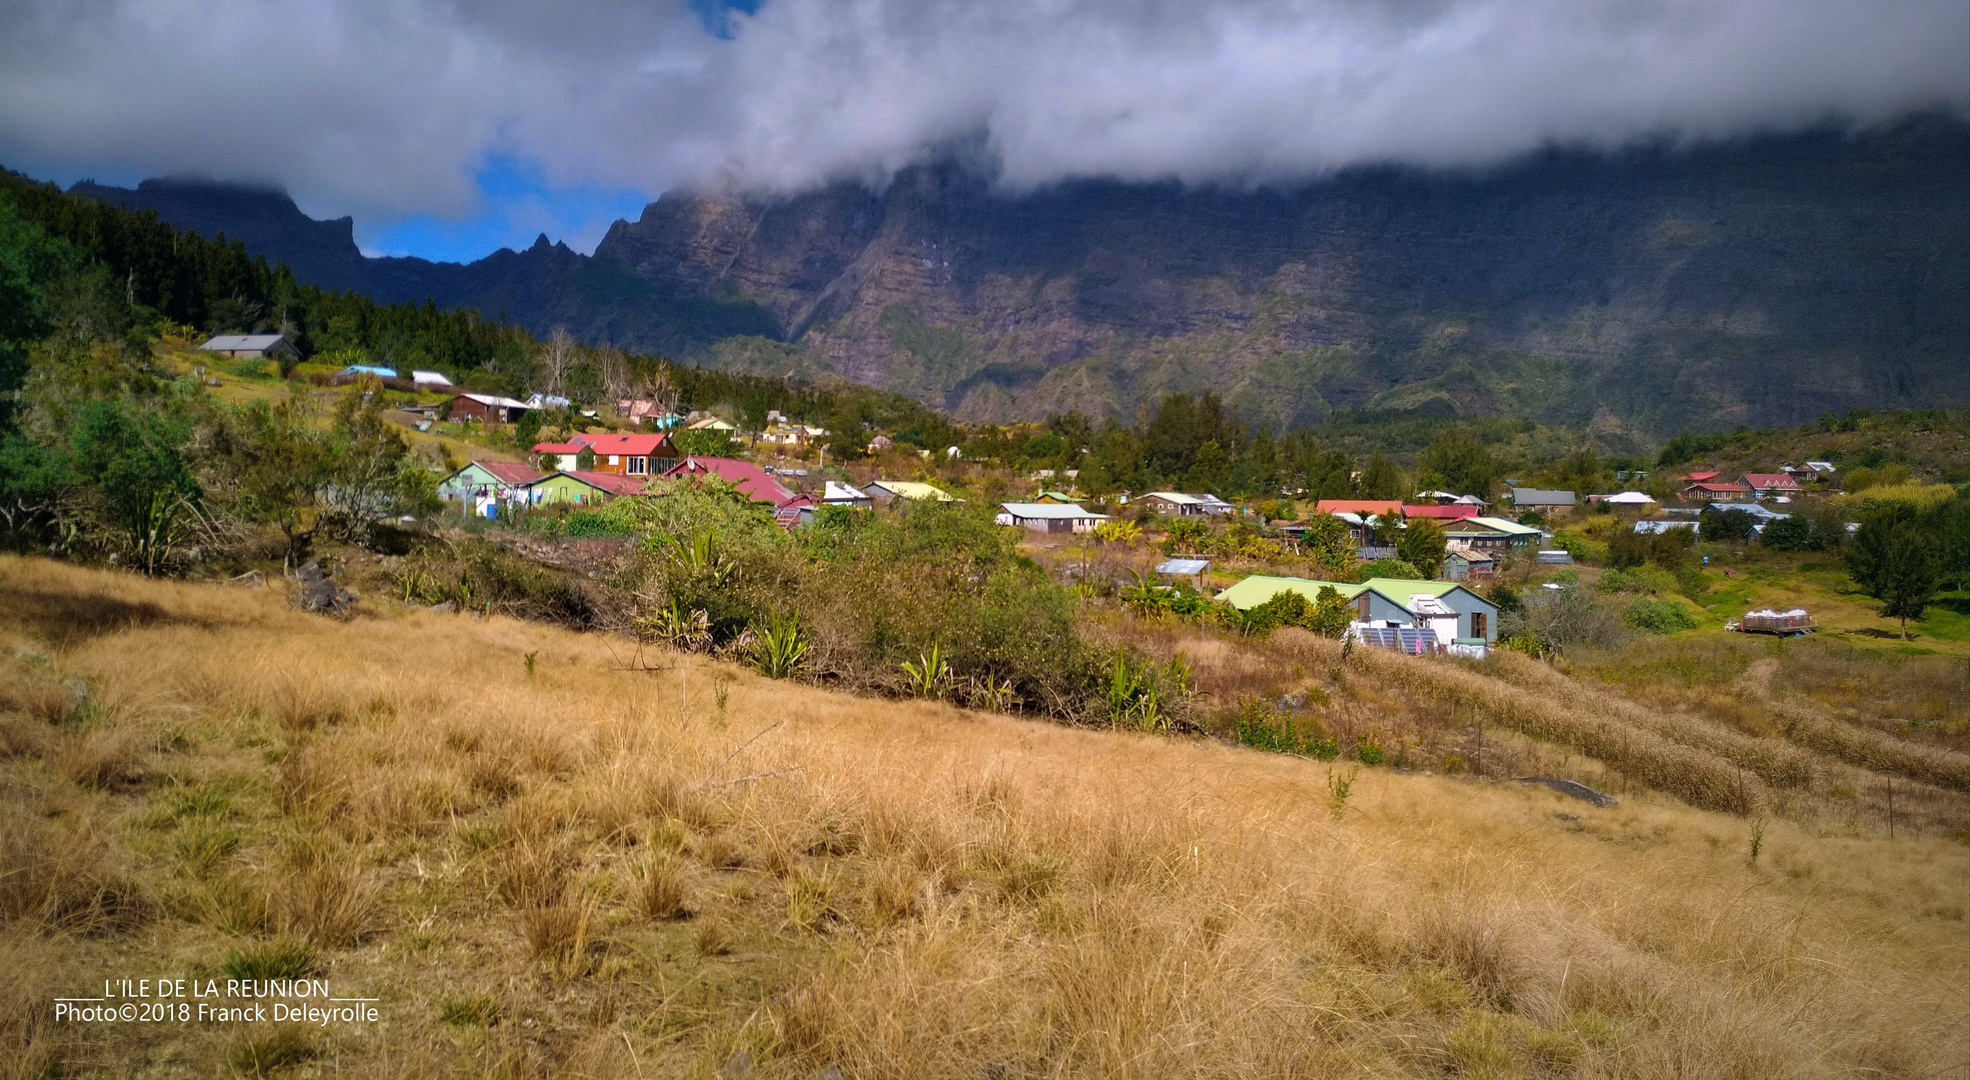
column 1760, row 281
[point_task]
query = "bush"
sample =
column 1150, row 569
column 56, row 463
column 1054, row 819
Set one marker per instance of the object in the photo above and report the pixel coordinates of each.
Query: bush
column 1793, row 533
column 1642, row 579
column 1400, row 569
column 1262, row 729
column 1652, row 615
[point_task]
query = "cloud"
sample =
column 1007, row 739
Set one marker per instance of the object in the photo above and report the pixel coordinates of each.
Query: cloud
column 389, row 108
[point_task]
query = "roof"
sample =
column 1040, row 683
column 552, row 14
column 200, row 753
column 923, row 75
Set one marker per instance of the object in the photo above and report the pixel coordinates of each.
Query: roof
column 495, row 400
column 557, row 448
column 1748, row 508
column 1055, row 511
column 913, row 489
column 1526, row 496
column 835, row 492
column 1770, row 479
column 512, row 472
column 1358, row 506
column 369, row 369
column 241, row 342
column 1259, row 588
column 1720, row 488
column 1183, row 566
column 753, row 482
column 638, row 445
column 1821, row 466
column 1177, row 497
column 1465, row 552
column 1700, row 475
column 1490, row 524
column 606, row 482
column 433, row 377
column 710, row 423
column 1628, row 498
column 1452, row 512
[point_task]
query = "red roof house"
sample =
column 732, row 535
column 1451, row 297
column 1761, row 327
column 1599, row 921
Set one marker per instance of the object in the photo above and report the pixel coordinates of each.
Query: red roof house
column 1763, row 484
column 1714, row 490
column 1701, row 475
column 1358, row 506
column 630, row 455
column 751, row 480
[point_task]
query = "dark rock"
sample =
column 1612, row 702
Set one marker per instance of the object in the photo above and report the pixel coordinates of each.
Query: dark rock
column 1571, row 788
column 319, row 593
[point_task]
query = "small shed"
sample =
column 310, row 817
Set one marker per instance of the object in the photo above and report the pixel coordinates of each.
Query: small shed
column 249, row 346
column 1462, row 562
column 487, row 408
column 1185, row 567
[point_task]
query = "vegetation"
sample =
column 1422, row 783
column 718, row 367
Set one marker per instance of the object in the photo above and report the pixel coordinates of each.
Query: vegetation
column 540, row 873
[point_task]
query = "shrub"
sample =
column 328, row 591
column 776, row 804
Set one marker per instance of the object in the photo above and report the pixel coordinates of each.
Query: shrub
column 1792, row 533
column 1653, row 615
column 1398, row 568
column 1262, row 729
column 778, row 648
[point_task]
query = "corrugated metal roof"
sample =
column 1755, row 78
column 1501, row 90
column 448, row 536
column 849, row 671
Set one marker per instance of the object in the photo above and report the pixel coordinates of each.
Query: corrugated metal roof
column 1048, row 510
column 1185, row 567
column 240, row 342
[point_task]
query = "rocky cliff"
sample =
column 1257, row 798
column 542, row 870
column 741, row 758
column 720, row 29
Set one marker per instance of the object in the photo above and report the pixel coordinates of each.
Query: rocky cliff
column 1759, row 282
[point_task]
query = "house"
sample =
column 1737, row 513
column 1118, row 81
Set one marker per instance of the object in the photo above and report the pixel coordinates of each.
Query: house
column 846, row 495
column 1767, row 485
column 487, row 408
column 1059, row 497
column 1049, row 517
column 1700, row 476
column 433, row 379
column 1442, row 606
column 1490, row 533
column 561, row 456
column 1715, row 489
column 708, row 423
column 1445, row 498
column 1462, row 562
column 1764, row 515
column 885, row 492
column 582, row 487
column 481, row 483
column 649, row 413
column 1442, row 512
column 1821, row 468
column 549, row 401
column 629, row 455
column 249, row 346
column 881, row 444
column 791, row 435
column 753, row 482
column 1173, row 503
column 1361, row 507
column 1657, row 527
column 1541, row 498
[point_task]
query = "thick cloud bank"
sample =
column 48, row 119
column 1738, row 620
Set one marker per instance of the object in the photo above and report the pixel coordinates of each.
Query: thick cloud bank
column 387, row 107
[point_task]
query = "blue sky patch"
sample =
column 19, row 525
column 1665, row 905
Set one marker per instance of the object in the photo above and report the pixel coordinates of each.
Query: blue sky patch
column 516, row 205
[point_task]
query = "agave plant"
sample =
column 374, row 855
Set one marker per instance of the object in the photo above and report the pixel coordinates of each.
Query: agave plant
column 779, row 647
column 689, row 631
column 1133, row 699
column 987, row 692
column 928, row 676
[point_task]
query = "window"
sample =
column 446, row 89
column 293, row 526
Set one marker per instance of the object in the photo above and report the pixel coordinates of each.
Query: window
column 615, row 459
column 638, row 466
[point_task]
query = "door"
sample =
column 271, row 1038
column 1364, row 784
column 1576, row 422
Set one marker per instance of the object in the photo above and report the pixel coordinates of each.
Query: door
column 1478, row 625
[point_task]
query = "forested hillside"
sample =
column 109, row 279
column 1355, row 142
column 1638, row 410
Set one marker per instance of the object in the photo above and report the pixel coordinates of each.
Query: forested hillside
column 1755, row 283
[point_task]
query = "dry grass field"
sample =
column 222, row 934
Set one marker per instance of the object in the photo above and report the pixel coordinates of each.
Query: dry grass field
column 549, row 853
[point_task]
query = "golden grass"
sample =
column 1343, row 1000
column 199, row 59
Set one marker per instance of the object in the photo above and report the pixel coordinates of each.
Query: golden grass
column 566, row 874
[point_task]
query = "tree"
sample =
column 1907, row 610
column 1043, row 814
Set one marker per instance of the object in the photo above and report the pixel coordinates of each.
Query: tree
column 1382, row 479
column 1727, row 524
column 1457, row 461
column 1422, row 545
column 1895, row 561
column 1793, row 533
column 1953, row 550
column 526, row 430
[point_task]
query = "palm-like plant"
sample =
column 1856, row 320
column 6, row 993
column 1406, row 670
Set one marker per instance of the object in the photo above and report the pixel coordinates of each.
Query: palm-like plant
column 779, row 647
column 928, row 676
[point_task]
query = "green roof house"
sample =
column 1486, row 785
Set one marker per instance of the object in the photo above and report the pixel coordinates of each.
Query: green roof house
column 1385, row 602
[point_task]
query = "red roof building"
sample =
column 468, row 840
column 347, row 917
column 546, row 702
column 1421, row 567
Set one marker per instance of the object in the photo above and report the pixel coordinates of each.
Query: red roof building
column 751, row 480
column 1701, row 475
column 1358, row 506
column 1763, row 484
column 1713, row 490
column 1452, row 512
column 629, row 455
column 612, row 483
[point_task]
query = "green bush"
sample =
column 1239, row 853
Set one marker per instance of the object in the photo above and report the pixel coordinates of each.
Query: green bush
column 1653, row 615
column 1641, row 579
column 1262, row 729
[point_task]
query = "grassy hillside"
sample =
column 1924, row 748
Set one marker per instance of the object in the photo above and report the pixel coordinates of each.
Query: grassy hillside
column 549, row 853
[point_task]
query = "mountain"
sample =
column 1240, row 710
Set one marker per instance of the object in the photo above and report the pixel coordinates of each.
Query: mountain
column 1762, row 281
column 545, row 286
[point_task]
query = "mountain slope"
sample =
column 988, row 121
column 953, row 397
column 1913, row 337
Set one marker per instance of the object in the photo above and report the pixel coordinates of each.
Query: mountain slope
column 1765, row 281
column 545, row 286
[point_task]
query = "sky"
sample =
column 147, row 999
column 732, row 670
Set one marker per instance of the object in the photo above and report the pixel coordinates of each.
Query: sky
column 450, row 128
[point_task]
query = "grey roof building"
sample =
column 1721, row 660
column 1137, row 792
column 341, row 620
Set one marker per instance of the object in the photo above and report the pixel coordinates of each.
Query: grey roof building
column 1524, row 497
